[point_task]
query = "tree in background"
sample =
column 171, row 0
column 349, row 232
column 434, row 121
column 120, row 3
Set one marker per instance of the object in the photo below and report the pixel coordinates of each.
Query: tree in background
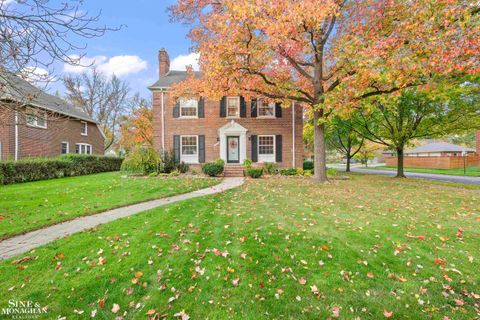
column 35, row 34
column 136, row 129
column 326, row 54
column 395, row 123
column 104, row 99
column 367, row 151
column 467, row 138
column 341, row 137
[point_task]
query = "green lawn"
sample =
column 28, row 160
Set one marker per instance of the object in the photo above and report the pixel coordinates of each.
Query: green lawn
column 471, row 171
column 28, row 206
column 273, row 249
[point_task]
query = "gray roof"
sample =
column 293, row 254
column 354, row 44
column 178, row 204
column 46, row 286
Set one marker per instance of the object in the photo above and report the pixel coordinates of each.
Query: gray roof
column 173, row 76
column 17, row 89
column 440, row 147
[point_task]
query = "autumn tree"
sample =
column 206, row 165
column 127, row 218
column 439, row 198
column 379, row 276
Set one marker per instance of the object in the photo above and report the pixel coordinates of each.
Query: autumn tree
column 415, row 114
column 136, row 129
column 102, row 98
column 367, row 151
column 342, row 137
column 326, row 53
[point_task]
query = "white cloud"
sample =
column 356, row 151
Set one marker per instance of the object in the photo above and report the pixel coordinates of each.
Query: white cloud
column 118, row 65
column 179, row 62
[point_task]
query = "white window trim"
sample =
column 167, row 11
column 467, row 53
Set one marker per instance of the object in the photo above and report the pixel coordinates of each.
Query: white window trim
column 262, row 158
column 266, row 117
column 191, row 158
column 36, row 115
column 68, row 146
column 80, row 148
column 188, row 117
column 226, row 107
column 85, row 125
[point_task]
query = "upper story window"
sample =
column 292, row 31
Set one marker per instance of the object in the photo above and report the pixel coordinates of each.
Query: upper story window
column 188, row 108
column 37, row 119
column 83, row 148
column 266, row 109
column 233, row 107
column 84, row 129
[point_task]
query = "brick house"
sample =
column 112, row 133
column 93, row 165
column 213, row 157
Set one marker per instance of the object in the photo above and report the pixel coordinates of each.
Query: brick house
column 34, row 123
column 233, row 129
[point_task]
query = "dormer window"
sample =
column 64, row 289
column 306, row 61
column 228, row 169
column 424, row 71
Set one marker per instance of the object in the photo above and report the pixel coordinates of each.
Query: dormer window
column 188, row 108
column 266, row 109
column 84, row 128
column 233, row 107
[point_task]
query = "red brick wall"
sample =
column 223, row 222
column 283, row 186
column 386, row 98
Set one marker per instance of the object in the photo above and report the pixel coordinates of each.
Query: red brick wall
column 34, row 142
column 433, row 162
column 6, row 132
column 209, row 126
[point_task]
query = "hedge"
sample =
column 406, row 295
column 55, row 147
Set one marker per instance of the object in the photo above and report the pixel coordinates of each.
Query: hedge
column 35, row 169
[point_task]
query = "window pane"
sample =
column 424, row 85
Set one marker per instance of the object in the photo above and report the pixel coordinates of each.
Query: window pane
column 189, row 145
column 31, row 119
column 265, row 144
column 233, row 107
column 84, row 128
column 77, row 148
column 41, row 122
column 266, row 109
column 188, row 107
column 64, row 148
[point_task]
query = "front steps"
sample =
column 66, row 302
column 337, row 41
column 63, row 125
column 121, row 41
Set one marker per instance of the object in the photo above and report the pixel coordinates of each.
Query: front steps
column 233, row 170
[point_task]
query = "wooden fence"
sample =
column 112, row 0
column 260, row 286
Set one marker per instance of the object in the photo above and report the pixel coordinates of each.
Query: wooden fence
column 443, row 162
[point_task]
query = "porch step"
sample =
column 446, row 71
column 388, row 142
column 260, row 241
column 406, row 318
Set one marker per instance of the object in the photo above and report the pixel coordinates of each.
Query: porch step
column 233, row 171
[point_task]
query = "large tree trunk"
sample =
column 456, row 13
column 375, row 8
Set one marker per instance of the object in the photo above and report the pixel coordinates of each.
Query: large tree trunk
column 400, row 172
column 348, row 162
column 349, row 151
column 320, row 174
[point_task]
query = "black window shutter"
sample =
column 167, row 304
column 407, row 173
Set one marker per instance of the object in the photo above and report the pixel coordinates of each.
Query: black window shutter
column 254, row 149
column 201, row 107
column 278, row 110
column 176, row 109
column 243, row 108
column 201, row 149
column 253, row 106
column 223, row 107
column 278, row 148
column 176, row 147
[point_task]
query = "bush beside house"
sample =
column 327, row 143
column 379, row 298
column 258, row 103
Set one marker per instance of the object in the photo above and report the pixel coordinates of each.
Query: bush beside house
column 35, row 169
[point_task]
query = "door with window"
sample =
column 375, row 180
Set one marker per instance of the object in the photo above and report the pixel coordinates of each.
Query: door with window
column 233, row 149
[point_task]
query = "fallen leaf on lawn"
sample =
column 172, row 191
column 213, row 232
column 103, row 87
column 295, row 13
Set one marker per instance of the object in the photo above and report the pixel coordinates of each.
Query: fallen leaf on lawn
column 93, row 313
column 115, row 308
column 138, row 274
column 182, row 315
column 387, row 314
column 459, row 302
column 439, row 262
column 151, row 312
column 335, row 312
column 314, row 289
column 243, row 255
column 235, row 281
column 302, row 281
column 370, row 275
column 101, row 303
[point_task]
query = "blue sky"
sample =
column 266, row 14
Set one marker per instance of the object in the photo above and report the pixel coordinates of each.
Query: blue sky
column 132, row 51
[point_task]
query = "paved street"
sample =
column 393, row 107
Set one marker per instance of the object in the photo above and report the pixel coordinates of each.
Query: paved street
column 427, row 176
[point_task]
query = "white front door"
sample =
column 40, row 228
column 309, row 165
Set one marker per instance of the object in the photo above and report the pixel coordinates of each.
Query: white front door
column 233, row 149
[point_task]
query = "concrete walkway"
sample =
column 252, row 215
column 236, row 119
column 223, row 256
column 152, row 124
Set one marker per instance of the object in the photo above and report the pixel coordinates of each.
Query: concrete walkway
column 24, row 243
column 426, row 176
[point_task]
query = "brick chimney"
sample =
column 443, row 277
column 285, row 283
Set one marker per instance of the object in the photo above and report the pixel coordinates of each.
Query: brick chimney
column 163, row 62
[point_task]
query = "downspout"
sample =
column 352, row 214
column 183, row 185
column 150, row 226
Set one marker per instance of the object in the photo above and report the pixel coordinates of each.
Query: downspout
column 293, row 133
column 163, row 124
column 16, row 135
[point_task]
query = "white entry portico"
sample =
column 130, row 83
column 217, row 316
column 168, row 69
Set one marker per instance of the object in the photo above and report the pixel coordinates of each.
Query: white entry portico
column 233, row 129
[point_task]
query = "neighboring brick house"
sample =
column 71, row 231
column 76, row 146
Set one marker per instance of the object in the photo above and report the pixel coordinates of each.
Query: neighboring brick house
column 34, row 123
column 233, row 129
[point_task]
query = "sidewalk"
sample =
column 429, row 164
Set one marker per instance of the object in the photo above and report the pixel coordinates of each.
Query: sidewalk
column 24, row 243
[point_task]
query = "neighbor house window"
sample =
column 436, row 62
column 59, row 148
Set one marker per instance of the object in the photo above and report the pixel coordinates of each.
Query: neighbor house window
column 37, row 119
column 266, row 148
column 65, row 148
column 83, row 148
column 188, row 108
column 266, row 109
column 84, row 129
column 233, row 107
column 189, row 149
